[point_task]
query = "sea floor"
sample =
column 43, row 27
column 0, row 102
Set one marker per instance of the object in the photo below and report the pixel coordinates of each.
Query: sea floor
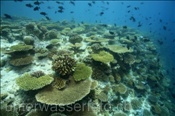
column 66, row 68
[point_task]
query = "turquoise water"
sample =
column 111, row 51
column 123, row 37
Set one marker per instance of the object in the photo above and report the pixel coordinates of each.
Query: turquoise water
column 86, row 31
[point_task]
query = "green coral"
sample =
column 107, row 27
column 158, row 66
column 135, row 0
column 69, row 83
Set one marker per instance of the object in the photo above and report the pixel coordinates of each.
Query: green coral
column 82, row 72
column 19, row 48
column 27, row 82
column 103, row 57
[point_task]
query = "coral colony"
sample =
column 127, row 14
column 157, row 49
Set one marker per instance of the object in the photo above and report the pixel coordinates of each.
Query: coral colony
column 80, row 70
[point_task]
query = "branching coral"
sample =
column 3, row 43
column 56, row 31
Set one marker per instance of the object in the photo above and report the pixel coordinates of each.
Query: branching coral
column 103, row 57
column 27, row 82
column 82, row 72
column 63, row 65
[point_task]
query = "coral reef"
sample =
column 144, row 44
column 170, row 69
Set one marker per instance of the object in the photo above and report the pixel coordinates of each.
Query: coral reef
column 82, row 72
column 19, row 48
column 63, row 65
column 26, row 82
column 103, row 57
column 59, row 83
column 72, row 93
column 119, row 49
column 75, row 39
column 120, row 88
column 22, row 61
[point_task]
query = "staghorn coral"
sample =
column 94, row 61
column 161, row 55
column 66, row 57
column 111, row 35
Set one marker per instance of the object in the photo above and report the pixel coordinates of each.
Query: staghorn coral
column 103, row 57
column 82, row 72
column 26, row 82
column 72, row 93
column 63, row 65
column 22, row 61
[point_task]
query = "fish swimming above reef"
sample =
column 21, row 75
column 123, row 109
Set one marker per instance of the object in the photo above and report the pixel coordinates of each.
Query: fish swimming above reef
column 101, row 13
column 47, row 18
column 7, row 16
column 37, row 2
column 132, row 19
column 29, row 5
column 36, row 8
column 43, row 13
column 164, row 27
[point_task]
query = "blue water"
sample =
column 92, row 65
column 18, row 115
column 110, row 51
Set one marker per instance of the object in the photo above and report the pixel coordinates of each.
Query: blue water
column 152, row 15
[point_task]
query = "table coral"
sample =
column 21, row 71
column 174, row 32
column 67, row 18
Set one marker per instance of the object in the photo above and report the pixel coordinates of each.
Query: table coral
column 82, row 72
column 27, row 82
column 72, row 93
column 103, row 57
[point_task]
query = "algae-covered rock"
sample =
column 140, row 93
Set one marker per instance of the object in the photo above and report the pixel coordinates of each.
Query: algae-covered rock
column 136, row 104
column 103, row 57
column 19, row 48
column 82, row 72
column 27, row 82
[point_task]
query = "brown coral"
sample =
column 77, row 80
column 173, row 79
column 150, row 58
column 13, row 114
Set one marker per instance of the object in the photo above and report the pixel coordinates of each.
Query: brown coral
column 63, row 65
column 72, row 93
column 59, row 83
column 21, row 61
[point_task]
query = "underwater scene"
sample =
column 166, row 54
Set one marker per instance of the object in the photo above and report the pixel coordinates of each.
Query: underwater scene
column 87, row 58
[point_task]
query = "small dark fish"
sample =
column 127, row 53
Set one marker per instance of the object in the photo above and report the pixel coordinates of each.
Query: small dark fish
column 136, row 8
column 93, row 2
column 101, row 13
column 36, row 8
column 37, row 3
column 173, row 40
column 29, row 5
column 139, row 24
column 71, row 12
column 47, row 18
column 59, row 2
column 111, row 32
column 150, row 23
column 89, row 4
column 43, row 13
column 132, row 19
column 128, row 6
column 61, row 7
column 7, row 16
column 60, row 11
column 160, row 20
column 164, row 27
column 129, row 11
column 160, row 42
column 125, row 27
column 71, row 2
